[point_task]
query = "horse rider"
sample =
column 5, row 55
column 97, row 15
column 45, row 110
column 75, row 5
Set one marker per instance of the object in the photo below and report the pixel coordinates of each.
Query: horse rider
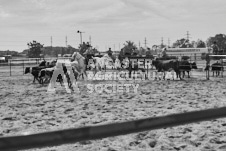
column 215, row 48
column 110, row 52
column 89, row 53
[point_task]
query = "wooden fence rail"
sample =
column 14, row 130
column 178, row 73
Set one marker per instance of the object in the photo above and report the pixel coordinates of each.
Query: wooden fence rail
column 102, row 131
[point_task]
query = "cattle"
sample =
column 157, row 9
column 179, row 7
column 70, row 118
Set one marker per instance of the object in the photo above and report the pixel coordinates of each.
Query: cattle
column 186, row 66
column 43, row 63
column 35, row 72
column 46, row 74
column 167, row 65
column 216, row 68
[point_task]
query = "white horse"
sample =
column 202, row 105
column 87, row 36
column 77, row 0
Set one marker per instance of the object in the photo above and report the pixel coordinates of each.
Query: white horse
column 117, row 64
column 101, row 63
column 78, row 61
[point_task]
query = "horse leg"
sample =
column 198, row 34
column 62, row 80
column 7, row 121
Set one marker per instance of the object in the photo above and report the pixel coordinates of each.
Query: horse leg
column 178, row 73
column 34, row 80
column 188, row 74
column 183, row 74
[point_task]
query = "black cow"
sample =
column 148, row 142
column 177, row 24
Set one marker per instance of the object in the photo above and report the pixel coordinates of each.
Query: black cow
column 187, row 66
column 167, row 65
column 43, row 63
column 46, row 75
column 35, row 72
column 216, row 68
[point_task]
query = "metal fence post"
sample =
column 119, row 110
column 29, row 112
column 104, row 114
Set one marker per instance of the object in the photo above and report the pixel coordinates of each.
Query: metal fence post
column 195, row 57
column 10, row 67
column 23, row 67
column 222, row 68
column 208, row 66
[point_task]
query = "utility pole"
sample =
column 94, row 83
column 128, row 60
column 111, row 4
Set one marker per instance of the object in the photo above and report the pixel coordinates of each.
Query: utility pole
column 139, row 44
column 114, row 47
column 80, row 35
column 66, row 41
column 186, row 42
column 90, row 40
column 162, row 42
column 51, row 44
column 51, row 41
column 188, row 35
column 145, row 42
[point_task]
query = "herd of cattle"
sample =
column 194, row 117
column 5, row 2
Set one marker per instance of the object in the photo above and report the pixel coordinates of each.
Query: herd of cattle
column 44, row 71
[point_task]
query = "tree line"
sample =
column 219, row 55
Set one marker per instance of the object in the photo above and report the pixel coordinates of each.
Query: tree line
column 129, row 48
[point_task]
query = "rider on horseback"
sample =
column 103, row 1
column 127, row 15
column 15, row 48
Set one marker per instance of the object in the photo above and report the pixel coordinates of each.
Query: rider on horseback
column 215, row 48
column 88, row 54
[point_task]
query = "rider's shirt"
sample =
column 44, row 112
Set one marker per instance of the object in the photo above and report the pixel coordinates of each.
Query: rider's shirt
column 215, row 49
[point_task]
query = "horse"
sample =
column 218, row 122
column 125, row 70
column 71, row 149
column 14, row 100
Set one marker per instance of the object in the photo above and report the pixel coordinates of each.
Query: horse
column 117, row 64
column 100, row 63
column 81, row 63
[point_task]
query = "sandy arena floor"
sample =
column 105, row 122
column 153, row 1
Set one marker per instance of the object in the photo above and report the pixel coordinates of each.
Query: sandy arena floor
column 27, row 108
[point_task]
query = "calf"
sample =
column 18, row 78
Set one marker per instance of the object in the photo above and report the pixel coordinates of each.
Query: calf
column 46, row 74
column 216, row 68
column 35, row 72
column 186, row 66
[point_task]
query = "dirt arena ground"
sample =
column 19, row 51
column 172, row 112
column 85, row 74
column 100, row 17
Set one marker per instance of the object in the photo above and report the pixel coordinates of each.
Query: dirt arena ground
column 27, row 108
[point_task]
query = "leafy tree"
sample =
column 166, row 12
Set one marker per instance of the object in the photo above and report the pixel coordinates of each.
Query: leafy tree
column 220, row 39
column 35, row 49
column 128, row 48
column 182, row 43
column 200, row 44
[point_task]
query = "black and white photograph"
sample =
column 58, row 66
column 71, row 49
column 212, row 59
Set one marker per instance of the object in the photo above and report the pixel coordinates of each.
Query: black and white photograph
column 112, row 75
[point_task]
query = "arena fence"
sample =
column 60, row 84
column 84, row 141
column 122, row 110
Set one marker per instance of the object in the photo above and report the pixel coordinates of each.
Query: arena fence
column 15, row 67
column 102, row 131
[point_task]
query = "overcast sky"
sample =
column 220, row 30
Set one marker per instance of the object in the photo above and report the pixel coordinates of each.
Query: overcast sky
column 109, row 22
